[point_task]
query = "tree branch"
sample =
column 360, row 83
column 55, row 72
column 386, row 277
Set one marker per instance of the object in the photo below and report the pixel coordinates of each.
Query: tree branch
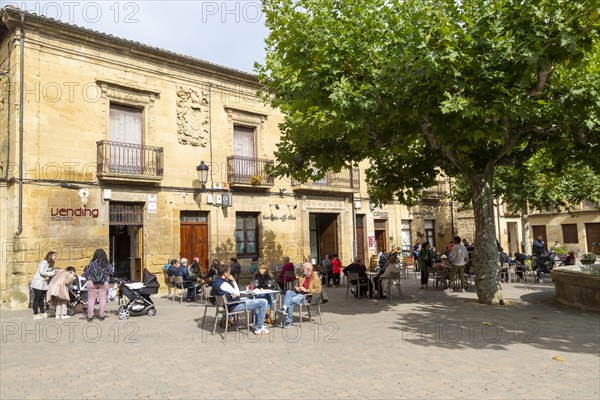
column 542, row 74
column 452, row 156
column 374, row 135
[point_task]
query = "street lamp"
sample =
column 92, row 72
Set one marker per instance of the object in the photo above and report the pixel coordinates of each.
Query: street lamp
column 202, row 174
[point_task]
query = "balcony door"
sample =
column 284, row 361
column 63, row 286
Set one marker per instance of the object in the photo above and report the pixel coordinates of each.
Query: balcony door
column 126, row 135
column 243, row 150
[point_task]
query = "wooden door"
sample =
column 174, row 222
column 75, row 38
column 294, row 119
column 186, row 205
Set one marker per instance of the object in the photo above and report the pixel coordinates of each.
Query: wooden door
column 592, row 233
column 327, row 226
column 381, row 240
column 360, row 237
column 194, row 243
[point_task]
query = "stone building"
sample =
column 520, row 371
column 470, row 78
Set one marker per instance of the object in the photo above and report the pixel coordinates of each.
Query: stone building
column 104, row 143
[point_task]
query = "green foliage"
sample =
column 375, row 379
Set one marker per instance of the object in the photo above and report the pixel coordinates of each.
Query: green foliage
column 588, row 257
column 561, row 250
column 423, row 86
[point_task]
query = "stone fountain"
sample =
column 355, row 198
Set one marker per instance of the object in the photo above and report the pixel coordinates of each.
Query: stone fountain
column 578, row 286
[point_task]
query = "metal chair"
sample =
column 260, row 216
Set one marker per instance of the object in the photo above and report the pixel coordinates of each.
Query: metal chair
column 353, row 277
column 324, row 273
column 222, row 308
column 179, row 284
column 208, row 303
column 289, row 285
column 308, row 303
column 170, row 286
column 393, row 280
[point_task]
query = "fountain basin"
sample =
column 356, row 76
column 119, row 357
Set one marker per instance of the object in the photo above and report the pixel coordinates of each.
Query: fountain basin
column 578, row 286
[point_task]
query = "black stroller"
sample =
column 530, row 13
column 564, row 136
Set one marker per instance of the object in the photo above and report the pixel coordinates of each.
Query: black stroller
column 138, row 295
column 77, row 292
column 542, row 264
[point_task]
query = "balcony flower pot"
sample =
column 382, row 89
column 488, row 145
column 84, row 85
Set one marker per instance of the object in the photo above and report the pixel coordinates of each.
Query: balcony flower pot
column 256, row 180
column 588, row 258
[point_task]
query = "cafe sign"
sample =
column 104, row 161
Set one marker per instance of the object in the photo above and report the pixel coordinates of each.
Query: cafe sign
column 69, row 214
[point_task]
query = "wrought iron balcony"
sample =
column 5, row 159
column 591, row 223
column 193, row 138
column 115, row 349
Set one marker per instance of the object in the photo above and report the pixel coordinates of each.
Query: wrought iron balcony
column 126, row 161
column 343, row 181
column 248, row 171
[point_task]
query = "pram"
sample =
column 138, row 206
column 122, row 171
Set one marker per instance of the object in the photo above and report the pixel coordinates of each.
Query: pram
column 138, row 294
column 77, row 295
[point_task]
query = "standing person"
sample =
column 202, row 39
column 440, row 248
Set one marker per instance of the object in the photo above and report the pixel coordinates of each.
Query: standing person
column 308, row 283
column 336, row 270
column 97, row 274
column 538, row 246
column 328, row 266
column 459, row 256
column 426, row 257
column 235, row 268
column 415, row 252
column 287, row 266
column 263, row 279
column 58, row 292
column 39, row 284
column 226, row 285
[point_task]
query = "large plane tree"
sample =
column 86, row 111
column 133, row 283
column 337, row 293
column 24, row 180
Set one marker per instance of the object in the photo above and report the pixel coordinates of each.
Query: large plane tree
column 420, row 87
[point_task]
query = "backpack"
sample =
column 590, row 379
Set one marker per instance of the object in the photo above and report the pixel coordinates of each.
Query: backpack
column 98, row 275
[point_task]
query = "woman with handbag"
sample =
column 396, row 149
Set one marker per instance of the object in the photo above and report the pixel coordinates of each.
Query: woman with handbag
column 97, row 275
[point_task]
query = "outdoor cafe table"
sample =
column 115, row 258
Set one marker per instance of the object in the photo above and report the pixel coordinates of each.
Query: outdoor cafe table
column 371, row 275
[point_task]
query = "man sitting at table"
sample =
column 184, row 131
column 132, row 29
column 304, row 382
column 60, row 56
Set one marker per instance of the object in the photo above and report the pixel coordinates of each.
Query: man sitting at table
column 181, row 269
column 308, row 283
column 226, row 285
column 358, row 267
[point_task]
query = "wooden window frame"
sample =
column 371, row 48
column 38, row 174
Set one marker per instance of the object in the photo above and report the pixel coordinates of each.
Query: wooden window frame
column 245, row 230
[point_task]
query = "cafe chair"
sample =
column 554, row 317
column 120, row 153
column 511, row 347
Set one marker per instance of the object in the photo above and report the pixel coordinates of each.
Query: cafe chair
column 179, row 284
column 353, row 277
column 324, row 274
column 393, row 280
column 209, row 302
column 222, row 309
column 170, row 286
column 308, row 302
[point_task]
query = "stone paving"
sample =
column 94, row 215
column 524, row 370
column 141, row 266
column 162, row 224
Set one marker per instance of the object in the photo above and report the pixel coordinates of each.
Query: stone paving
column 431, row 345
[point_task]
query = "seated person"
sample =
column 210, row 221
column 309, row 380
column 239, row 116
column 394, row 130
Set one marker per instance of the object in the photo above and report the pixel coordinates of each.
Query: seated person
column 213, row 272
column 225, row 285
column 264, row 279
column 520, row 264
column 569, row 259
column 393, row 266
column 308, row 283
column 253, row 265
column 358, row 267
column 287, row 267
column 181, row 269
column 236, row 268
column 195, row 271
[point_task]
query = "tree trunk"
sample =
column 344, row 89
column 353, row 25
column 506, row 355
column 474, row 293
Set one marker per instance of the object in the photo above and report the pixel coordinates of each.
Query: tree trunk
column 486, row 255
column 525, row 244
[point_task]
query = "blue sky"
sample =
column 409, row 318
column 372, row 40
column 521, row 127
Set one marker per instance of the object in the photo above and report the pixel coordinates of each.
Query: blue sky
column 230, row 33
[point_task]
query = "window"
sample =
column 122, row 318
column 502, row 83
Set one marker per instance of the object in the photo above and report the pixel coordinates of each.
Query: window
column 246, row 234
column 406, row 235
column 193, row 217
column 430, row 231
column 570, row 233
column 126, row 139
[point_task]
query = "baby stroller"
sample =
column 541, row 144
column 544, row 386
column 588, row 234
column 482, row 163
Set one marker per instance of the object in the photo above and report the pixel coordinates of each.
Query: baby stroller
column 138, row 294
column 77, row 295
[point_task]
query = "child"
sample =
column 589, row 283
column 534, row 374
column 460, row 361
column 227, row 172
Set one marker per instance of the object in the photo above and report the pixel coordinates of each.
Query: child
column 58, row 292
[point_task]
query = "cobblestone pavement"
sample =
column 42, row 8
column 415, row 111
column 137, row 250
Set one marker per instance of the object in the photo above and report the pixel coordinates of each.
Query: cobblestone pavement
column 432, row 344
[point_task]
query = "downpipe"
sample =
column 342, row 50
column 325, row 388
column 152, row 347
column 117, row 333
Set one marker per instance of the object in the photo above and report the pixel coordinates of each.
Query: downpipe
column 21, row 96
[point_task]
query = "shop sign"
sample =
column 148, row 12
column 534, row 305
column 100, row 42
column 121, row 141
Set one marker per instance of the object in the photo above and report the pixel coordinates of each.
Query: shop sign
column 282, row 218
column 68, row 214
column 372, row 242
column 381, row 214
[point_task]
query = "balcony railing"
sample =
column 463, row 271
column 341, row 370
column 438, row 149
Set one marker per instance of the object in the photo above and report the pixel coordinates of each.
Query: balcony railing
column 437, row 192
column 345, row 179
column 118, row 159
column 248, row 171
